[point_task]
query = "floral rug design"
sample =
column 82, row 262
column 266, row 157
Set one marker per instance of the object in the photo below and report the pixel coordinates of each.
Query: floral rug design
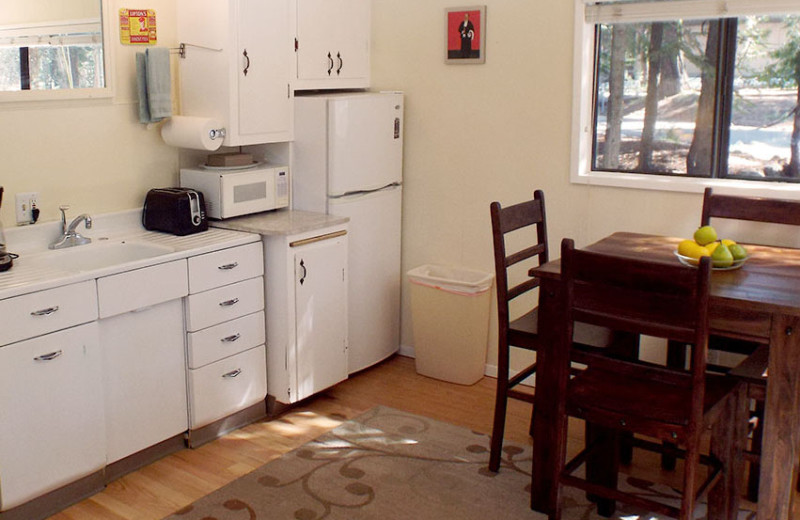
column 388, row 464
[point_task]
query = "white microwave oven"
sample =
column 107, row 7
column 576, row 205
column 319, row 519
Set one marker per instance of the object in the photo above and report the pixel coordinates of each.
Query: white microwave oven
column 231, row 192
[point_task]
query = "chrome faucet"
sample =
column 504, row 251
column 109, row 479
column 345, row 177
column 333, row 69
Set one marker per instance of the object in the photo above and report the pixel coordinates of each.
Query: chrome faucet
column 69, row 237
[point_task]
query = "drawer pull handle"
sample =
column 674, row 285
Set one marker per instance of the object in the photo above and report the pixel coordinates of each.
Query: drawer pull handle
column 233, row 373
column 48, row 357
column 228, row 303
column 45, row 312
column 231, row 339
column 228, row 267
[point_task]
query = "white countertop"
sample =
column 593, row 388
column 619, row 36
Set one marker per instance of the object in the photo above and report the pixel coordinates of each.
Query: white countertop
column 280, row 222
column 30, row 274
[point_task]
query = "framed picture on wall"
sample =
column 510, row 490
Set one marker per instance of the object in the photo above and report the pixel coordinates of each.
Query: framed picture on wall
column 465, row 28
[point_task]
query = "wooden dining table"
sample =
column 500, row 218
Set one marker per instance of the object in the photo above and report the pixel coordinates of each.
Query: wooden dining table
column 760, row 301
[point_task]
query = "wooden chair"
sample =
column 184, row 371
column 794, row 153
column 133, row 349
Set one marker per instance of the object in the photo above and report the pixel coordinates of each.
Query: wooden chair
column 520, row 333
column 528, row 219
column 617, row 395
column 772, row 211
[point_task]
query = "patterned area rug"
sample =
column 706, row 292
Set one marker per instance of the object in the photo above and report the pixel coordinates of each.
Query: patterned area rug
column 388, row 464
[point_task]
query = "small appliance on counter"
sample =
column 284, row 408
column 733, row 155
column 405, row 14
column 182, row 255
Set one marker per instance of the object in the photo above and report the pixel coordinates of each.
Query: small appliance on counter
column 6, row 258
column 234, row 190
column 180, row 211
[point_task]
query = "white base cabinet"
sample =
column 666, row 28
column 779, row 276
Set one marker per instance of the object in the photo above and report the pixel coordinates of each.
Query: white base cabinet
column 225, row 326
column 53, row 431
column 307, row 318
column 144, row 354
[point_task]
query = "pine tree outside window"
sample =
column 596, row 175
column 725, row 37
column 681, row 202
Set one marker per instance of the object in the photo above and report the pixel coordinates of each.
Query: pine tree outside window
column 677, row 94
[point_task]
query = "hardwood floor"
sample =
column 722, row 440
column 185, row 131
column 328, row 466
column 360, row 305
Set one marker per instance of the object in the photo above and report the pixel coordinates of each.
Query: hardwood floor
column 173, row 482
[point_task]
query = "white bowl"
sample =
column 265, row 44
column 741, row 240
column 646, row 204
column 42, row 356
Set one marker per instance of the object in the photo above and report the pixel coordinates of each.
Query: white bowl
column 692, row 262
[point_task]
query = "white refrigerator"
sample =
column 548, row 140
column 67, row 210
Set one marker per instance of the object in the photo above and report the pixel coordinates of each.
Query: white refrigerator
column 347, row 160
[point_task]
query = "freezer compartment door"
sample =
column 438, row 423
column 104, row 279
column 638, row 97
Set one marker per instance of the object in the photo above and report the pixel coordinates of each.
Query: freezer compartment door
column 374, row 274
column 365, row 147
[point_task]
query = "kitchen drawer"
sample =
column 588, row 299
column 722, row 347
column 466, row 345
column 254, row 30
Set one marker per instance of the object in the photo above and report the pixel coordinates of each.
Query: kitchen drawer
column 140, row 288
column 46, row 311
column 227, row 386
column 226, row 339
column 225, row 267
column 225, row 303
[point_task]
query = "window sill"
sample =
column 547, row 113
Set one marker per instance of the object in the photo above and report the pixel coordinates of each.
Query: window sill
column 775, row 190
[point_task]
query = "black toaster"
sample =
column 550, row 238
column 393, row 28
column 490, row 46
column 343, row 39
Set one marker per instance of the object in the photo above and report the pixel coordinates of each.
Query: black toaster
column 180, row 211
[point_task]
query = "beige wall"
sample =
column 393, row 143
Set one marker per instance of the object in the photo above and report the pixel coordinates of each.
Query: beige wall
column 478, row 133
column 474, row 134
column 93, row 155
column 27, row 11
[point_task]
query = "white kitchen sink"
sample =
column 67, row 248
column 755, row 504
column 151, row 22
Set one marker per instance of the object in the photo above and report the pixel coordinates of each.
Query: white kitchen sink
column 98, row 255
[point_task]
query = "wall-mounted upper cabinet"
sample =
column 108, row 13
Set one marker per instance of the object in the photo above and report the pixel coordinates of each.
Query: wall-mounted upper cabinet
column 238, row 66
column 332, row 44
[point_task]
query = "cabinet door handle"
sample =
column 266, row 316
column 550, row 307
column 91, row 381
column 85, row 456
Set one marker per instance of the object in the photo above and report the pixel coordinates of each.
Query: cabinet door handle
column 233, row 373
column 330, row 63
column 231, row 339
column 45, row 312
column 228, row 303
column 48, row 357
column 228, row 267
column 247, row 62
column 341, row 63
column 305, row 272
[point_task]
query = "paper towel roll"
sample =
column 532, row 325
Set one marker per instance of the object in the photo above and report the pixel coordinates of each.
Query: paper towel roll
column 197, row 133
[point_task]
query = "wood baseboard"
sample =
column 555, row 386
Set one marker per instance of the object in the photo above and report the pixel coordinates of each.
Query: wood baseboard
column 198, row 437
column 142, row 458
column 50, row 503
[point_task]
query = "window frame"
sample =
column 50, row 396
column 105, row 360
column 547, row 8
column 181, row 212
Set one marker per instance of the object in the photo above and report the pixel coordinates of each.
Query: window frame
column 581, row 171
column 104, row 94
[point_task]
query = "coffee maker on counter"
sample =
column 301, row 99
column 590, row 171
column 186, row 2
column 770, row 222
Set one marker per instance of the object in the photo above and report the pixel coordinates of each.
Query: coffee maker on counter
column 6, row 258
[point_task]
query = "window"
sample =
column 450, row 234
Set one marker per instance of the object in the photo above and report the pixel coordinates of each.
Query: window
column 680, row 93
column 67, row 55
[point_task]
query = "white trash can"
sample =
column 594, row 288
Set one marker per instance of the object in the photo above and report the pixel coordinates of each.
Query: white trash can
column 450, row 318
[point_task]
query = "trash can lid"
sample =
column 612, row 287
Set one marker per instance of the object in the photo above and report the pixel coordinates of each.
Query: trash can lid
column 459, row 280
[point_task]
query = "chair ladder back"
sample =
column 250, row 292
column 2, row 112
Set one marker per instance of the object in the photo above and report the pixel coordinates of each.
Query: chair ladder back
column 506, row 220
column 657, row 299
column 755, row 209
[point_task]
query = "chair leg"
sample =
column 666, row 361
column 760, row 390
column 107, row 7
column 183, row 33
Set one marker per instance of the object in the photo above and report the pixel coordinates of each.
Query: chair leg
column 676, row 358
column 602, row 467
column 689, row 477
column 728, row 439
column 755, row 447
column 500, row 405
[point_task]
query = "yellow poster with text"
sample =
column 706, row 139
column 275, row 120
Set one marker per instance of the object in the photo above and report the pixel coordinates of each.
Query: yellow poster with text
column 137, row 26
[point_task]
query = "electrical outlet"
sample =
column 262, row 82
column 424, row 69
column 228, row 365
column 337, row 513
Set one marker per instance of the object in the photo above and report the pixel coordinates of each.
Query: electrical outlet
column 25, row 202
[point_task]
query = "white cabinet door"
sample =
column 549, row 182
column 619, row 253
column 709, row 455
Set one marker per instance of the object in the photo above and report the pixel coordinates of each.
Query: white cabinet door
column 238, row 66
column 333, row 43
column 144, row 377
column 320, row 292
column 52, row 428
column 265, row 99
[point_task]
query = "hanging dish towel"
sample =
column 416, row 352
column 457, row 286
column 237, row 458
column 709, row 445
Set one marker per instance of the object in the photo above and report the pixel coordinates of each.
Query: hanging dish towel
column 154, row 84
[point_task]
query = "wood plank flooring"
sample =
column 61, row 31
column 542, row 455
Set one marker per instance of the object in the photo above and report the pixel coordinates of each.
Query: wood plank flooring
column 173, row 482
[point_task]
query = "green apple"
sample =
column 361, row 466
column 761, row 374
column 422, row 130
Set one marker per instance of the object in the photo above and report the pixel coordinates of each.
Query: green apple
column 705, row 235
column 722, row 257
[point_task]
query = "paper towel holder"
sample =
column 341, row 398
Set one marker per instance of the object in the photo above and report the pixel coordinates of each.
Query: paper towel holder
column 216, row 133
